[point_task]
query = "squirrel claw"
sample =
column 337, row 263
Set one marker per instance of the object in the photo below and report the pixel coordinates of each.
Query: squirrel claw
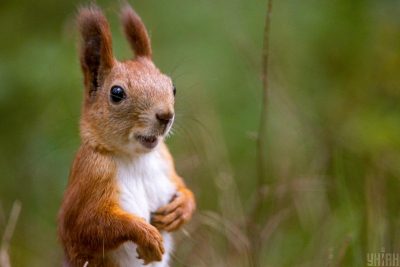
column 173, row 215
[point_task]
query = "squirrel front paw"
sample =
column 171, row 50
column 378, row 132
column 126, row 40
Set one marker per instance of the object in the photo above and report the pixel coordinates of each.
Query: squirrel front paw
column 173, row 215
column 150, row 245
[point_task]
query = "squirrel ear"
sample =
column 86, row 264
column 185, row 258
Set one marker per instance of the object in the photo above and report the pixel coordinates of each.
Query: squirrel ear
column 96, row 55
column 136, row 32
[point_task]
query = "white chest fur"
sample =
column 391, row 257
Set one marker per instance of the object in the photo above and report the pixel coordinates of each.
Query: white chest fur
column 144, row 186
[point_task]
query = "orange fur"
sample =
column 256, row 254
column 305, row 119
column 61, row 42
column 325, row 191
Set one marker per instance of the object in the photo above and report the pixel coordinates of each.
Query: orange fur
column 91, row 222
column 136, row 32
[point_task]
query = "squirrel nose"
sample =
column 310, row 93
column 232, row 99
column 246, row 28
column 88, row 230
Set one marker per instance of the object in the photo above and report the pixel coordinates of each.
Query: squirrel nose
column 164, row 118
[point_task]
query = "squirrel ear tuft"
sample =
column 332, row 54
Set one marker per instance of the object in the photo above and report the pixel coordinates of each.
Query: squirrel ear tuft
column 136, row 32
column 96, row 54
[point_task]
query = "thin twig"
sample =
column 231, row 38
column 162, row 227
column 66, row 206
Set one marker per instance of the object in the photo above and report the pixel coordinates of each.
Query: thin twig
column 8, row 233
column 253, row 227
column 261, row 140
column 264, row 109
column 2, row 216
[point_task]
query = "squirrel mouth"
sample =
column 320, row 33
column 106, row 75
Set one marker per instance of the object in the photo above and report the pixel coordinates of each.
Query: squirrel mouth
column 149, row 141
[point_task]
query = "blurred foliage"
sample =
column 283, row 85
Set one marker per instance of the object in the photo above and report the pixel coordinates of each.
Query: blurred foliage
column 332, row 193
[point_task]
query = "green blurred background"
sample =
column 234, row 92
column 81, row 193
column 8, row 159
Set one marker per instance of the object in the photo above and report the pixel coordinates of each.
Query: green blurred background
column 333, row 139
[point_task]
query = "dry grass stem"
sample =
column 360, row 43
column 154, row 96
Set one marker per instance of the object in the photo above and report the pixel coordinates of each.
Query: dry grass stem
column 8, row 233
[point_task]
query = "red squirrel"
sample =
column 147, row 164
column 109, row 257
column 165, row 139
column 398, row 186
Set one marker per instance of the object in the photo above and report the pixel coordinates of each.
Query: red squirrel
column 124, row 196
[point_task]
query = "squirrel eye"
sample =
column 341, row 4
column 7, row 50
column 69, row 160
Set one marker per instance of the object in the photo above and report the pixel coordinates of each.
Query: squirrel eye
column 174, row 90
column 117, row 94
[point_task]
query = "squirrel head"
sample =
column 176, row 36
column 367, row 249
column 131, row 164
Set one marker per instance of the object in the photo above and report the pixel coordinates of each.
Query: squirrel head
column 128, row 105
